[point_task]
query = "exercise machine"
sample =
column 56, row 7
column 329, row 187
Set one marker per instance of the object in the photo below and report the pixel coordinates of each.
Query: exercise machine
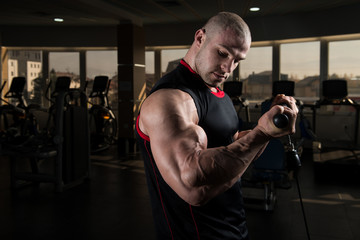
column 103, row 124
column 18, row 123
column 60, row 154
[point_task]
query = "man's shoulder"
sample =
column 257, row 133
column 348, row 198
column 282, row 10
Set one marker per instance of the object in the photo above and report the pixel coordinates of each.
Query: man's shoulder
column 165, row 96
column 166, row 104
column 172, row 79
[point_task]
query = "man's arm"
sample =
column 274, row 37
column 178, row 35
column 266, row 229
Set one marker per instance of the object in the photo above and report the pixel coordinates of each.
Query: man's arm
column 179, row 146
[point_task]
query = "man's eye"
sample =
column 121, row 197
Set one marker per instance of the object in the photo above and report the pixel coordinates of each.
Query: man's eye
column 222, row 54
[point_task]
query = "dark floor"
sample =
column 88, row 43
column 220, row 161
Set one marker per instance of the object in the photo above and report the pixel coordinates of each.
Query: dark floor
column 114, row 204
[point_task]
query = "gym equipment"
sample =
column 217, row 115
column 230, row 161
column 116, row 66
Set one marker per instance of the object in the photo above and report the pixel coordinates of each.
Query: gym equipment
column 103, row 124
column 294, row 164
column 293, row 159
column 62, row 149
column 18, row 123
column 335, row 89
column 234, row 90
column 336, row 149
column 271, row 170
column 283, row 87
column 334, row 92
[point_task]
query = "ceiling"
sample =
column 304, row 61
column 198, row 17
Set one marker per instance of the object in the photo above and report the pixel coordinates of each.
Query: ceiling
column 147, row 12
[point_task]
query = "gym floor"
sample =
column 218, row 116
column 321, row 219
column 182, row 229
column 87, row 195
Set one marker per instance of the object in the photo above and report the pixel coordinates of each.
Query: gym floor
column 114, row 204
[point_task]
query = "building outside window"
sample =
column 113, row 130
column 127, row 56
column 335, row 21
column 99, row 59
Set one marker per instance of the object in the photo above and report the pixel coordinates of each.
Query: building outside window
column 103, row 63
column 256, row 73
column 344, row 63
column 300, row 62
column 23, row 63
column 65, row 64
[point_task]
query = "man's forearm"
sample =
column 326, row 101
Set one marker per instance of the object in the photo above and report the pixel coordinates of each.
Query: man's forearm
column 222, row 164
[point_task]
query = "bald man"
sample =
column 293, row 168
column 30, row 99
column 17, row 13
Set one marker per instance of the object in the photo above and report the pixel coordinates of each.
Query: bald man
column 188, row 132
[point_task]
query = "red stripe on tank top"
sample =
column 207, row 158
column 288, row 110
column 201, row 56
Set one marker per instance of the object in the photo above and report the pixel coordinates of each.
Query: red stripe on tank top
column 142, row 135
column 193, row 218
column 158, row 185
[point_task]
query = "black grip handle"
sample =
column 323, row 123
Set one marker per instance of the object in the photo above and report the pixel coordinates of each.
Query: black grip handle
column 281, row 120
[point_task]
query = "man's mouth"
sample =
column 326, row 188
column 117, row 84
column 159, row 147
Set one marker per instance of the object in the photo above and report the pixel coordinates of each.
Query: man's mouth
column 219, row 76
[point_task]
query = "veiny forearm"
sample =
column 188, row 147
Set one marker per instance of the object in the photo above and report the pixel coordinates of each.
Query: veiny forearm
column 214, row 170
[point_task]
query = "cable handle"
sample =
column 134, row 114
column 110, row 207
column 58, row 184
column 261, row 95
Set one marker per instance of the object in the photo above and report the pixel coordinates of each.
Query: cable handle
column 293, row 159
column 281, row 120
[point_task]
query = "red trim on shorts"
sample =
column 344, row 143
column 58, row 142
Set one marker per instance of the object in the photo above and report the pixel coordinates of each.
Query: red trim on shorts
column 142, row 135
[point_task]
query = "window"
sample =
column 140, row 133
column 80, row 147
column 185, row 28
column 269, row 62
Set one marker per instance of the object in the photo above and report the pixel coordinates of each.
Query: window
column 104, row 63
column 20, row 63
column 300, row 62
column 170, row 58
column 256, row 73
column 149, row 70
column 344, row 62
column 65, row 64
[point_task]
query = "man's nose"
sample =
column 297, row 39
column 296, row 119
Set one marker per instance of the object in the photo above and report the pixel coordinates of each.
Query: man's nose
column 227, row 66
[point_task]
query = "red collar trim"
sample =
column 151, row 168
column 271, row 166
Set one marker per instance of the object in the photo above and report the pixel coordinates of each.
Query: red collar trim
column 142, row 135
column 187, row 66
column 219, row 93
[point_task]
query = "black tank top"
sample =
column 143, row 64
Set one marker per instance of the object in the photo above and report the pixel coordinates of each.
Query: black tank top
column 223, row 217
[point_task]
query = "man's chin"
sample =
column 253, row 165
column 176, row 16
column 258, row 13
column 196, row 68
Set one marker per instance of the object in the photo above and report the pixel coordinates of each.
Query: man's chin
column 212, row 84
column 215, row 82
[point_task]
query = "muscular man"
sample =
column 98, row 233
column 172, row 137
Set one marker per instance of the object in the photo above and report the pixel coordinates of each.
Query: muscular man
column 187, row 130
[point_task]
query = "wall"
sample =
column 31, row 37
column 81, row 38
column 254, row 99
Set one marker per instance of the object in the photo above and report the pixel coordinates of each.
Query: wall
column 32, row 36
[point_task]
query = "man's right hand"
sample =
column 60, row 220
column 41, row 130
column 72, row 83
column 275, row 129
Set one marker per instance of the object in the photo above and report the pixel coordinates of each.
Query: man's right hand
column 281, row 105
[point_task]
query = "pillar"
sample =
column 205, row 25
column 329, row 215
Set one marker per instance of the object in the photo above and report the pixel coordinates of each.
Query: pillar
column 131, row 80
column 324, row 64
column 276, row 62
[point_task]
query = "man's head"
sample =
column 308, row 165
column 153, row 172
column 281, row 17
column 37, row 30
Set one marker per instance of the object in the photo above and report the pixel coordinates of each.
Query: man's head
column 227, row 20
column 218, row 47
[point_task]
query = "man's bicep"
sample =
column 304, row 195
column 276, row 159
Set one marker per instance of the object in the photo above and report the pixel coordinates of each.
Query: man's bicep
column 176, row 159
column 175, row 141
column 175, row 137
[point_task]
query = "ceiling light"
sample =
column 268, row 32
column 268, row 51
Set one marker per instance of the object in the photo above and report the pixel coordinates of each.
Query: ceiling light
column 255, row 9
column 58, row 20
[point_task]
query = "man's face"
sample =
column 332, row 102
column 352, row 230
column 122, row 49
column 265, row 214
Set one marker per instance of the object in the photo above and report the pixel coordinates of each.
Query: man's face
column 219, row 55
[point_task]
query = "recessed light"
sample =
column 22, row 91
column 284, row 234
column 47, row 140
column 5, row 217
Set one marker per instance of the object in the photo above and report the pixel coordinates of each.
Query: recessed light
column 58, row 20
column 255, row 9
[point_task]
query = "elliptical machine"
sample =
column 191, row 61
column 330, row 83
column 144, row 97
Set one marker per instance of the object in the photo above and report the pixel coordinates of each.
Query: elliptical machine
column 17, row 120
column 103, row 124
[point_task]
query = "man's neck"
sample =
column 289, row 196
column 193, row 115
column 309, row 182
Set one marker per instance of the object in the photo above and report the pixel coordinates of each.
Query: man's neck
column 212, row 88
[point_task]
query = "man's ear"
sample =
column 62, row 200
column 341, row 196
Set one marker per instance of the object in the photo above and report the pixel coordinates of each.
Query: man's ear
column 200, row 37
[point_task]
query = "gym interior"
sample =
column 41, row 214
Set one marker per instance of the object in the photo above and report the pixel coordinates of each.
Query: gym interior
column 74, row 75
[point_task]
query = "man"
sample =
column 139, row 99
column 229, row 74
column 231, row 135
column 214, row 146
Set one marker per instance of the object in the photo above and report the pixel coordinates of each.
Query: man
column 187, row 130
